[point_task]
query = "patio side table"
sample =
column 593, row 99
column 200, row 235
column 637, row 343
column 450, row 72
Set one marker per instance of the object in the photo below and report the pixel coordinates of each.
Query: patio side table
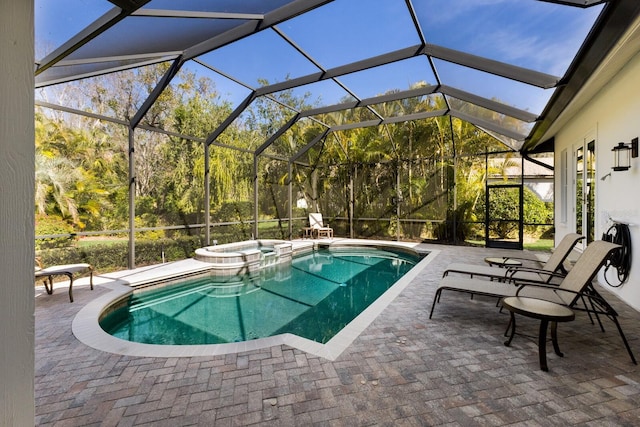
column 546, row 311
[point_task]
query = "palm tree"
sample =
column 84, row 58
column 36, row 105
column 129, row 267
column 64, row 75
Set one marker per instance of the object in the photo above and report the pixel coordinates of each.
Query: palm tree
column 55, row 178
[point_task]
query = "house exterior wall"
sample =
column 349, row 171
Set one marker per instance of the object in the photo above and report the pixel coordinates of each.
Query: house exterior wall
column 16, row 214
column 612, row 116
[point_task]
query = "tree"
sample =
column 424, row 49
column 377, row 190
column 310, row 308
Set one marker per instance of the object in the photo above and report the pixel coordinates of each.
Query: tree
column 505, row 203
column 404, row 169
column 68, row 164
column 55, row 177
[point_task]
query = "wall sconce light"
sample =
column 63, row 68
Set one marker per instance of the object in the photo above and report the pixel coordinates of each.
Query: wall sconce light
column 622, row 154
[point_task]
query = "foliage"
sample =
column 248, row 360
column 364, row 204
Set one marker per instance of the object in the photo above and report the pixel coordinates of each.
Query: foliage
column 241, row 212
column 114, row 256
column 456, row 227
column 382, row 172
column 52, row 225
column 505, row 203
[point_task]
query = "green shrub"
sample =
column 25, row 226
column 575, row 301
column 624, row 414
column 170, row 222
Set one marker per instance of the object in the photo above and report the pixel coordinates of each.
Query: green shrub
column 151, row 251
column 52, row 225
column 114, row 256
column 241, row 212
column 505, row 203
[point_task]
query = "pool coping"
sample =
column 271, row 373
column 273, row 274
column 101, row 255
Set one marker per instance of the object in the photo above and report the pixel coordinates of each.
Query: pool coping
column 86, row 329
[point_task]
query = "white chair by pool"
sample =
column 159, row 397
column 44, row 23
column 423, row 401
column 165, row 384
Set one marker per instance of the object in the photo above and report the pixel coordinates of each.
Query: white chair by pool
column 317, row 226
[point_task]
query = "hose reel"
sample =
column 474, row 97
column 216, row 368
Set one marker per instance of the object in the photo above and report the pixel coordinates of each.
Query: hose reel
column 620, row 259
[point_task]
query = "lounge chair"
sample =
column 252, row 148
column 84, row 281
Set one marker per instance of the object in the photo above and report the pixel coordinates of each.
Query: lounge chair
column 62, row 270
column 550, row 271
column 576, row 286
column 317, row 226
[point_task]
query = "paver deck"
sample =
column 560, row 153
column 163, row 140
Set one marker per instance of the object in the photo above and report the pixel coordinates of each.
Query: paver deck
column 403, row 370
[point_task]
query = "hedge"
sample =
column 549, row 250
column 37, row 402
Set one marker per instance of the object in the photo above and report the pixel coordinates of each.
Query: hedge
column 114, row 256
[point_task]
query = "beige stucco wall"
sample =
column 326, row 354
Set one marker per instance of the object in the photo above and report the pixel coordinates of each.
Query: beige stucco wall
column 612, row 116
column 16, row 214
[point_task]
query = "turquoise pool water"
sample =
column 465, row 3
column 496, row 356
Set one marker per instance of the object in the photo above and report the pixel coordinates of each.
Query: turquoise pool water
column 314, row 296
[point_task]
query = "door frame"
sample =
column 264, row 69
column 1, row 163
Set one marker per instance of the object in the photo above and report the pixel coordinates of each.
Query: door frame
column 588, row 190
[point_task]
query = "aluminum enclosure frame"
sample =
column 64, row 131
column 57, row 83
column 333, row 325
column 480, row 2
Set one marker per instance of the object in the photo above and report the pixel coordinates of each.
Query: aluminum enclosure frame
column 615, row 19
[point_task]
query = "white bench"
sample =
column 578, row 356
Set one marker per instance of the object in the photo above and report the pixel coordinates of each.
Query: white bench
column 63, row 270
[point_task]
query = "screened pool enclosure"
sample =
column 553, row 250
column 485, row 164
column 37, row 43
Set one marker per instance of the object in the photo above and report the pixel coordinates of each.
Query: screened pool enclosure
column 397, row 119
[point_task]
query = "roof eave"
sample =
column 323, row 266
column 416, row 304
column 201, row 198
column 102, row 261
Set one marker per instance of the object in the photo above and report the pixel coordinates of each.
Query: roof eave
column 616, row 19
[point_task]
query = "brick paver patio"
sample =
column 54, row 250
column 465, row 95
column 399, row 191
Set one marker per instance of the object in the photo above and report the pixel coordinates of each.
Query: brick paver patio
column 404, row 370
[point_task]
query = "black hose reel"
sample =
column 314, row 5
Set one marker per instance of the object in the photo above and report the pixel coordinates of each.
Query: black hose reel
column 620, row 259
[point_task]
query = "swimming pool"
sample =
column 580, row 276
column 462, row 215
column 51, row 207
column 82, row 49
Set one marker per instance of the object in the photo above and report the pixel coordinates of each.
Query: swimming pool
column 118, row 286
column 314, row 297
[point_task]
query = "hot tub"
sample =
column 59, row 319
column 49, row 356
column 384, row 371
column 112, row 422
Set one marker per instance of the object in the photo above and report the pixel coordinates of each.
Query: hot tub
column 245, row 257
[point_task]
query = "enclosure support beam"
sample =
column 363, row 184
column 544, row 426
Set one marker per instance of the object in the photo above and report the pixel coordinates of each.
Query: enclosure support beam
column 455, row 200
column 277, row 134
column 290, row 201
column 132, row 201
column 106, row 21
column 157, row 91
column 255, row 197
column 135, row 121
column 486, row 198
column 207, row 196
column 455, row 184
column 354, row 170
column 309, row 146
column 398, row 200
column 234, row 115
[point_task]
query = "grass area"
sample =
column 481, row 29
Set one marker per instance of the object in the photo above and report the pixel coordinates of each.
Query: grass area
column 543, row 245
column 84, row 243
column 540, row 245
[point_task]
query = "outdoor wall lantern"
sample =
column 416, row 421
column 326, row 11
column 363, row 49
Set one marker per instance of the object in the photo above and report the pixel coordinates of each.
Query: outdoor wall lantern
column 622, row 154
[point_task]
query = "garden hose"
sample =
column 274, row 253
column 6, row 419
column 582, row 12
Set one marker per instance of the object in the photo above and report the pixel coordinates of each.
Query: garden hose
column 620, row 259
